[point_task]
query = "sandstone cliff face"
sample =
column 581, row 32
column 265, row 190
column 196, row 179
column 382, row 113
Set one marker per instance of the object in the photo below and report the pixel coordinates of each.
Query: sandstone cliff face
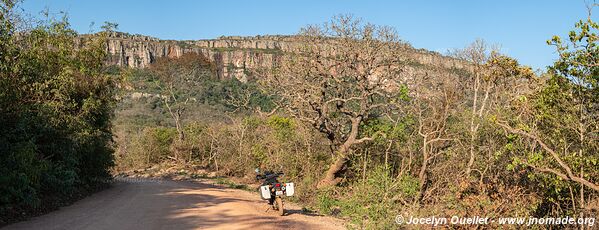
column 236, row 56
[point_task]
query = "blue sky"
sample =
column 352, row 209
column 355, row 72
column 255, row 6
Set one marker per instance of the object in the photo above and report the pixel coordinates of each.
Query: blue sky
column 520, row 27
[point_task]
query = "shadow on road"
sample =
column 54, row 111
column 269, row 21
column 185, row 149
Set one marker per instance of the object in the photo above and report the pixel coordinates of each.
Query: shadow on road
column 164, row 204
column 209, row 206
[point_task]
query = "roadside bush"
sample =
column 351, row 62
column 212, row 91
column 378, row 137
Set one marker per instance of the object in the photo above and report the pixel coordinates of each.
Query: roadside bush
column 151, row 146
column 55, row 109
column 371, row 202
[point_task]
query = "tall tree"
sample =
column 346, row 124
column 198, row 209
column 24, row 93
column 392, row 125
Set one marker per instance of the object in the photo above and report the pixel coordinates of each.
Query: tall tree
column 343, row 75
column 174, row 75
column 561, row 120
column 479, row 86
column 55, row 109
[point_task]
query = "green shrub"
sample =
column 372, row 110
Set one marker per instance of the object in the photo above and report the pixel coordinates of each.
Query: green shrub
column 372, row 203
column 57, row 103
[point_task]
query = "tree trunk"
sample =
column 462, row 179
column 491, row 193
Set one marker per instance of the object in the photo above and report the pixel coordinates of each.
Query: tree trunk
column 422, row 173
column 179, row 142
column 472, row 125
column 330, row 177
column 177, row 118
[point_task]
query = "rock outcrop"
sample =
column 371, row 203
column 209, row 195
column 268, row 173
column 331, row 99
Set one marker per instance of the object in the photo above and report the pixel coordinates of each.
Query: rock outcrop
column 235, row 56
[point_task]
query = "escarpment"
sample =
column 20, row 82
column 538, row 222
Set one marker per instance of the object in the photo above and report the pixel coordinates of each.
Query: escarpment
column 236, row 56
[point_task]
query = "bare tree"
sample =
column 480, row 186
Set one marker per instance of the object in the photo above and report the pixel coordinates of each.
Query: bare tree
column 174, row 75
column 344, row 74
column 433, row 103
column 479, row 86
column 168, row 74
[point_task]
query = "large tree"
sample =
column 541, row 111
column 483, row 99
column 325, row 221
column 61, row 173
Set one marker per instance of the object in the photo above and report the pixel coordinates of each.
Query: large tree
column 175, row 78
column 344, row 74
column 559, row 125
column 55, row 109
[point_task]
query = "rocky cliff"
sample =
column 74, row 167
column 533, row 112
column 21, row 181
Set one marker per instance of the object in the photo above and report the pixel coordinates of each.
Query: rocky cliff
column 234, row 56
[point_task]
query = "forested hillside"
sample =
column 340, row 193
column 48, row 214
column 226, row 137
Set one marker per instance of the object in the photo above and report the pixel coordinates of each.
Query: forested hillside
column 366, row 126
column 367, row 135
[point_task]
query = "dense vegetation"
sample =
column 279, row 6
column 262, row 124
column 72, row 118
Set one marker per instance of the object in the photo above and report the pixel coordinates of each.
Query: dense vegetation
column 170, row 102
column 362, row 137
column 494, row 139
column 55, row 110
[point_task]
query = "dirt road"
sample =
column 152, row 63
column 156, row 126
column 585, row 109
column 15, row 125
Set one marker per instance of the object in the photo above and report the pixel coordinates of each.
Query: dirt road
column 165, row 204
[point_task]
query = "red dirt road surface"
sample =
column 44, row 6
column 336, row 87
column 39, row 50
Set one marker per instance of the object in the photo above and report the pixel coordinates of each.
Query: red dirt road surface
column 166, row 204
